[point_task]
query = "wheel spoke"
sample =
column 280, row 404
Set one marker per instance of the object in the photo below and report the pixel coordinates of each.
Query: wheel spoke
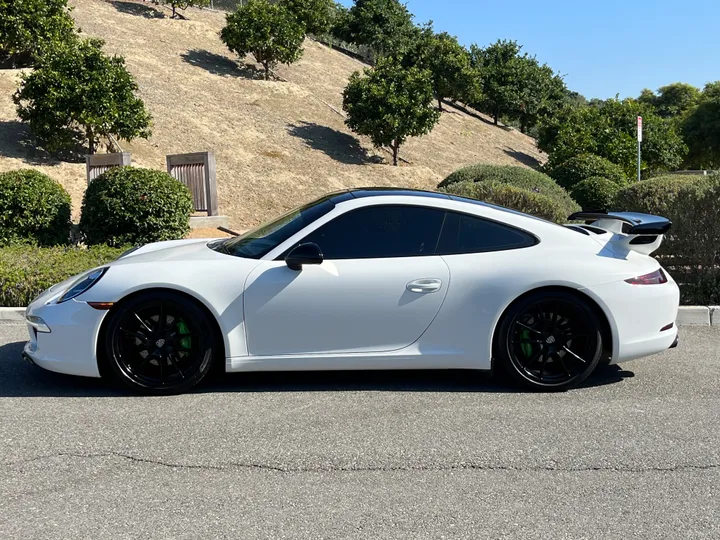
column 142, row 322
column 542, row 366
column 137, row 335
column 174, row 364
column 527, row 327
column 161, row 320
column 575, row 355
column 562, row 363
column 522, row 341
column 532, row 359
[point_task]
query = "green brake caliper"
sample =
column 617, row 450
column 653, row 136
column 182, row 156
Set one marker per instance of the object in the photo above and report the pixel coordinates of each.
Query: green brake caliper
column 184, row 331
column 526, row 347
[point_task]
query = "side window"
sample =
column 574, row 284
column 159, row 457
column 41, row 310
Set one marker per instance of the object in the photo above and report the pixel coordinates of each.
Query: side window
column 380, row 232
column 463, row 233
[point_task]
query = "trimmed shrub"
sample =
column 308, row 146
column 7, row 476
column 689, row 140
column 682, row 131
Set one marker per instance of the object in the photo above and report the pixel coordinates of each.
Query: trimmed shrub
column 655, row 195
column 26, row 271
column 577, row 169
column 595, row 193
column 513, row 197
column 128, row 205
column 34, row 208
column 519, row 177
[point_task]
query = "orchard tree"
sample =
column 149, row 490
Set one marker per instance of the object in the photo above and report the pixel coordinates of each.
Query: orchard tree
column 541, row 93
column 384, row 25
column 673, row 100
column 609, row 131
column 701, row 130
column 447, row 61
column 184, row 4
column 268, row 31
column 316, row 16
column 390, row 103
column 78, row 93
column 29, row 27
column 501, row 68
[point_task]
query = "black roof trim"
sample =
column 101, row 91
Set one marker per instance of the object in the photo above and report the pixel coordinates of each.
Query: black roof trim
column 359, row 193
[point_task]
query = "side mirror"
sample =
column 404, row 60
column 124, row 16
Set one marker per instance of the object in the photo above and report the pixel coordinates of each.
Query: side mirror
column 304, row 254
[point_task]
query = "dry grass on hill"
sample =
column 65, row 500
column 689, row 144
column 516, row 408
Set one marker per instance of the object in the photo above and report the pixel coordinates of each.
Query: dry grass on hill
column 277, row 143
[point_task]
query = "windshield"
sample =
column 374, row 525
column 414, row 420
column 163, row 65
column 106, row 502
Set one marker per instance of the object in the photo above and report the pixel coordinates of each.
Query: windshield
column 260, row 241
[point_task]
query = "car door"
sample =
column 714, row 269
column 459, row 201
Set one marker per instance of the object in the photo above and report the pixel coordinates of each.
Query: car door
column 378, row 288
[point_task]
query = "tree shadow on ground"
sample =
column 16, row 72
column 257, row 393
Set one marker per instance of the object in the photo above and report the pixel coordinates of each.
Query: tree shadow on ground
column 336, row 144
column 522, row 157
column 141, row 10
column 218, row 64
column 19, row 378
column 17, row 142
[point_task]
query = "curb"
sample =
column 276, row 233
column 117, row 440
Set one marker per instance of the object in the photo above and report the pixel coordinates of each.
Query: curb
column 687, row 315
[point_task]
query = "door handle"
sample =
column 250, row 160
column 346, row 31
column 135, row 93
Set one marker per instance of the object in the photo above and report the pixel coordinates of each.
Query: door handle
column 427, row 285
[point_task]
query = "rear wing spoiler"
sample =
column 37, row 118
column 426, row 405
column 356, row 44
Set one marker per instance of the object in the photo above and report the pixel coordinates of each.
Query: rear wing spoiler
column 631, row 223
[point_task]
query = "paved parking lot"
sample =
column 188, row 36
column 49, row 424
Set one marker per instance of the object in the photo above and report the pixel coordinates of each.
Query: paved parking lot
column 635, row 453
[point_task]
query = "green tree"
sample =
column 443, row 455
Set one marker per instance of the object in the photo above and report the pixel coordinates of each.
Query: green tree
column 315, row 15
column 184, row 4
column 609, row 131
column 28, row 27
column 540, row 92
column 268, row 31
column 384, row 25
column 447, row 61
column 501, row 69
column 78, row 93
column 673, row 100
column 701, row 130
column 390, row 103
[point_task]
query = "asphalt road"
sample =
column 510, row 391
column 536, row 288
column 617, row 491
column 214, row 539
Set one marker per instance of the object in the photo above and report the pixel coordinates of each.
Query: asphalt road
column 633, row 454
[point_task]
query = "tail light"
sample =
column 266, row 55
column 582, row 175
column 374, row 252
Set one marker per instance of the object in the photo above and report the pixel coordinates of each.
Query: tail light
column 655, row 278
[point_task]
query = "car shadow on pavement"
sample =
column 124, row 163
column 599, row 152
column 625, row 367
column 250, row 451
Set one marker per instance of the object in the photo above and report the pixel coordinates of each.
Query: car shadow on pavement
column 19, row 378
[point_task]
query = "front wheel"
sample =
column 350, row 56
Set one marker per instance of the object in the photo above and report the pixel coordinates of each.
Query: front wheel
column 159, row 343
column 550, row 341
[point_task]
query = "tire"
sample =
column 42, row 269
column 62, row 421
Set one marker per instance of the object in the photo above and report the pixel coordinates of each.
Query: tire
column 159, row 359
column 549, row 341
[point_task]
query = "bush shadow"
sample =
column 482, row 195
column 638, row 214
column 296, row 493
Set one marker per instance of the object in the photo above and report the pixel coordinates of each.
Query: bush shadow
column 19, row 378
column 217, row 64
column 16, row 141
column 335, row 144
column 522, row 157
column 140, row 10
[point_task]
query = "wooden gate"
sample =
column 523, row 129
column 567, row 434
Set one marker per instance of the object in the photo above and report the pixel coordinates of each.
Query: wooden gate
column 197, row 172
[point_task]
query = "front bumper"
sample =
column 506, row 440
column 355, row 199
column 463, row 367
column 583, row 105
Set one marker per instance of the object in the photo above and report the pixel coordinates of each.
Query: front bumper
column 70, row 347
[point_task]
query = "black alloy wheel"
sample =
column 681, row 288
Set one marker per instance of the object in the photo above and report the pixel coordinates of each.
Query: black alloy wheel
column 160, row 343
column 550, row 341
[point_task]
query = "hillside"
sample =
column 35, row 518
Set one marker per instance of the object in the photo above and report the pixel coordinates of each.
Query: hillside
column 277, row 143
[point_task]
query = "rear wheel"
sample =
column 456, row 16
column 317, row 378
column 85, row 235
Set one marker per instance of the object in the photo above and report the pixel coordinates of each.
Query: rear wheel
column 160, row 343
column 550, row 341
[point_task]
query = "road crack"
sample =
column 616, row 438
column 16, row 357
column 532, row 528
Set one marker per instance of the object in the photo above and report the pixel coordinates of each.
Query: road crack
column 461, row 466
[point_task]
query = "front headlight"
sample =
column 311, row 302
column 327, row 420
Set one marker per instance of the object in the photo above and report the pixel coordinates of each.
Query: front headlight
column 82, row 284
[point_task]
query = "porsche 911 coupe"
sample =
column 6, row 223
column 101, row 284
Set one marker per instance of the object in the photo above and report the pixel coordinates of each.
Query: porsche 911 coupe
column 370, row 279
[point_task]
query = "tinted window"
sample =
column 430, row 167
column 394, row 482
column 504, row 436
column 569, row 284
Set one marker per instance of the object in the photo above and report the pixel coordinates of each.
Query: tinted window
column 468, row 234
column 380, row 231
column 258, row 242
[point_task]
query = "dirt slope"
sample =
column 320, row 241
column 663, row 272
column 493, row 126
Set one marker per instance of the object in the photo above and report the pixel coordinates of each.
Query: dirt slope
column 277, row 143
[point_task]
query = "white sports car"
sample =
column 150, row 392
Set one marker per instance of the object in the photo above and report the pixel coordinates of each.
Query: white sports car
column 370, row 279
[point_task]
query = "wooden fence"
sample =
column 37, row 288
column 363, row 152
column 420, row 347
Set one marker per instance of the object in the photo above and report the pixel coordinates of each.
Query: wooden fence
column 97, row 164
column 197, row 171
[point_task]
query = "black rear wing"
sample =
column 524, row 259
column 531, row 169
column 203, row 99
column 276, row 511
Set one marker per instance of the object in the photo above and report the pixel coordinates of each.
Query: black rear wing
column 634, row 222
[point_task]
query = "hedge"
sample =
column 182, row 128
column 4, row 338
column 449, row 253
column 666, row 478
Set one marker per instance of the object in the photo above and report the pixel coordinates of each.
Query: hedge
column 26, row 271
column 130, row 205
column 579, row 168
column 512, row 197
column 519, row 177
column 34, row 208
column 595, row 193
column 655, row 195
